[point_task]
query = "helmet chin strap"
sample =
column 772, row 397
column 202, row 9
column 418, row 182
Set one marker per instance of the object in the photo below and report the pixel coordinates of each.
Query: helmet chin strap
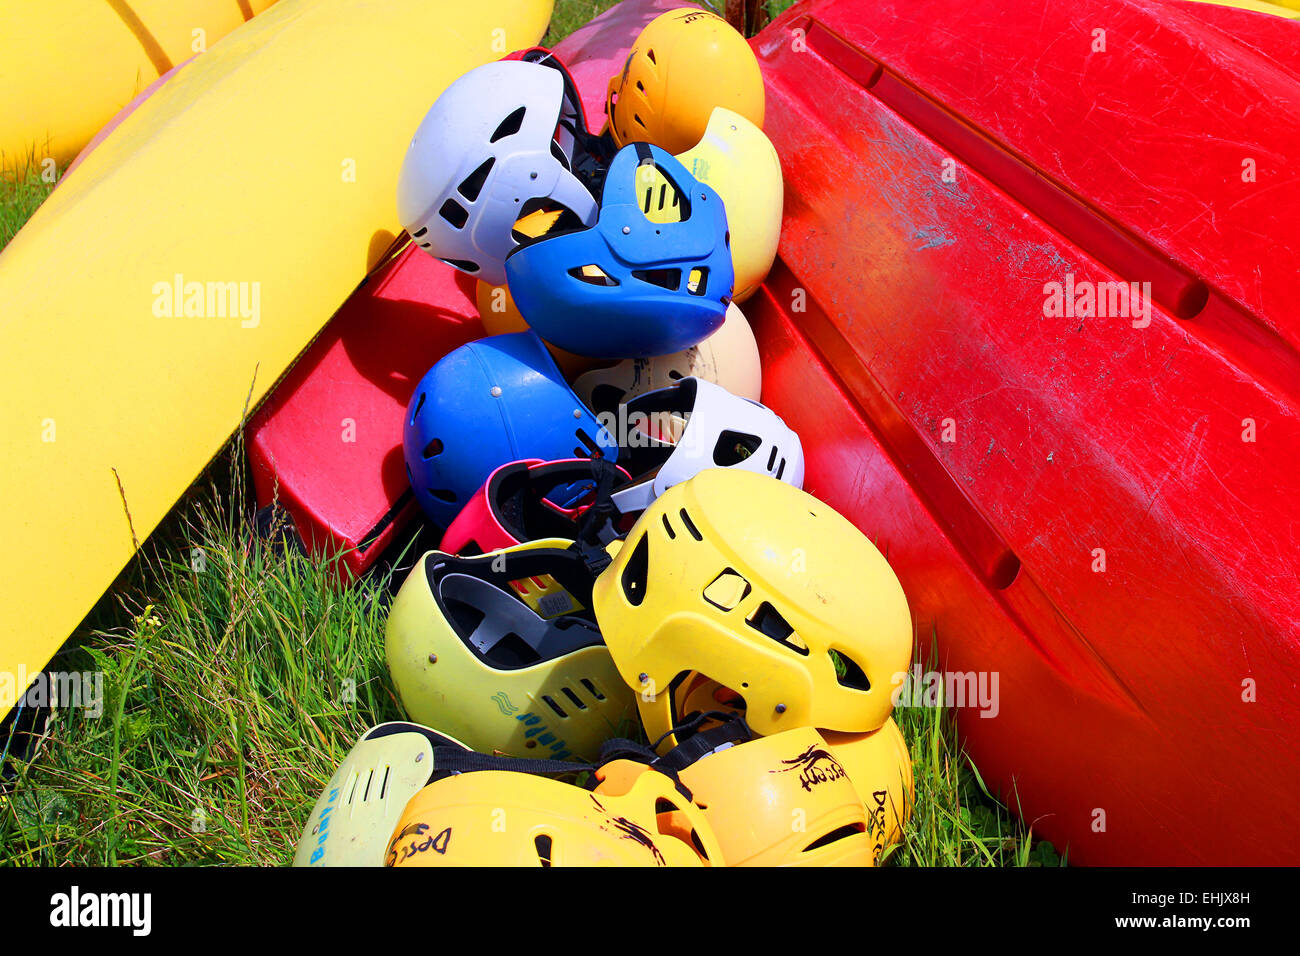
column 596, row 528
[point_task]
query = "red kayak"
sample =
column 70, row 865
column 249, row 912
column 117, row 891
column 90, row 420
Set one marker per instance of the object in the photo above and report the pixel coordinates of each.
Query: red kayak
column 1034, row 320
column 1087, row 487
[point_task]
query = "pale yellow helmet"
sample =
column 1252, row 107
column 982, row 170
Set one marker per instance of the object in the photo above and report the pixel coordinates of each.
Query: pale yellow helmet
column 728, row 357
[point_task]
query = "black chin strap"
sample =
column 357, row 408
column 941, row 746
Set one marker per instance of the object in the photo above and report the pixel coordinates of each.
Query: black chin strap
column 596, row 527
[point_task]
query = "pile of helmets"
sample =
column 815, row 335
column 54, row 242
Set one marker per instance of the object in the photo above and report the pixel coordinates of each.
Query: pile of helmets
column 640, row 641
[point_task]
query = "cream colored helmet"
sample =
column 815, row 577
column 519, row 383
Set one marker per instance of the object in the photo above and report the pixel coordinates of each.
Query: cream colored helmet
column 728, row 357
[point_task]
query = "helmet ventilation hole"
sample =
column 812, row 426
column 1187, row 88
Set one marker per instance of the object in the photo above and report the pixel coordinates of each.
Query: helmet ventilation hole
column 444, row 494
column 768, row 621
column 383, row 784
column 510, row 125
column 454, row 213
column 675, row 375
column 577, row 701
column 434, row 447
column 593, row 275
column 550, row 702
column 473, row 184
column 421, row 232
column 650, row 55
column 848, row 672
column 727, row 590
column 690, row 525
column 592, row 449
column 668, row 526
column 635, row 572
column 419, row 404
column 698, row 281
column 464, row 265
column 734, row 447
column 771, row 457
column 835, row 836
column 559, row 154
column 780, row 471
column 668, row 279
column 594, row 690
column 542, row 843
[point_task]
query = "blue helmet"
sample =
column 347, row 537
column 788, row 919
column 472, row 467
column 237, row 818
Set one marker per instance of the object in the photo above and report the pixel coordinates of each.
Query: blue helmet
column 634, row 285
column 493, row 401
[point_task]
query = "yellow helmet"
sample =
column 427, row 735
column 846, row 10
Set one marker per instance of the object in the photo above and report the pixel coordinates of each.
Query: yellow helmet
column 878, row 762
column 501, row 651
column 763, row 588
column 355, row 814
column 501, row 818
column 728, row 357
column 682, row 65
column 784, row 800
column 737, row 159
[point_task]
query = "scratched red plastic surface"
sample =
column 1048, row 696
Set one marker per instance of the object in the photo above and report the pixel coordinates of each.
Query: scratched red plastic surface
column 998, row 453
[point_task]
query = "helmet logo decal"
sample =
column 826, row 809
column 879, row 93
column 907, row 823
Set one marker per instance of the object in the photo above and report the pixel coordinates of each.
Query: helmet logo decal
column 815, row 765
column 542, row 734
column 437, row 843
column 503, row 704
column 631, row 831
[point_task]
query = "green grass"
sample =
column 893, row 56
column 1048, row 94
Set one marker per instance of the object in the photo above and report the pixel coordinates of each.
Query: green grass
column 236, row 677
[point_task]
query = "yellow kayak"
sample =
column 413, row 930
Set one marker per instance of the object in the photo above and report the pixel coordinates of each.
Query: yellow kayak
column 195, row 253
column 67, row 66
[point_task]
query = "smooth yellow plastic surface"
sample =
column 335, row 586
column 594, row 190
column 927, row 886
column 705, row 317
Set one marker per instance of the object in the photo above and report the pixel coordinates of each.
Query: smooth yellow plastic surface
column 68, row 66
column 264, row 173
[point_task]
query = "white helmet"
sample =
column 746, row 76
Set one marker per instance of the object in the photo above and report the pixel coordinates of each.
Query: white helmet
column 694, row 425
column 486, row 154
column 728, row 357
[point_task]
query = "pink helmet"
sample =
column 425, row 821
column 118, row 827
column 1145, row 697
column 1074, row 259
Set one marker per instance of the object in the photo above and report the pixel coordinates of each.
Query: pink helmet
column 524, row 501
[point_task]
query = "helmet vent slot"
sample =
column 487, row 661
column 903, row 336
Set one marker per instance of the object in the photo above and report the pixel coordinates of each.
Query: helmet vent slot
column 560, row 155
column 454, row 213
column 594, row 690
column 768, row 621
column 383, row 784
column 434, row 447
column 352, row 788
column 668, row 526
column 444, row 494
column 690, row 525
column 635, row 572
column 780, row 471
column 592, row 449
column 421, row 232
column 464, row 265
column 473, row 183
column 650, row 55
column 771, row 457
column 419, row 404
column 835, row 836
column 550, row 702
column 848, row 672
column 592, row 275
column 727, row 590
column 510, row 125
column 542, row 843
column 369, row 779
column 734, row 447
column 577, row 701
column 674, row 374
column 668, row 279
column 698, row 281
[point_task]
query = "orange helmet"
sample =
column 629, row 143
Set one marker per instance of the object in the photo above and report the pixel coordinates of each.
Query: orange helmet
column 683, row 64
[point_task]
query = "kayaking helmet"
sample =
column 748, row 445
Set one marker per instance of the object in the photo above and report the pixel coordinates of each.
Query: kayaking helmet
column 728, row 357
column 877, row 761
column 783, row 800
column 736, row 158
column 686, row 428
column 500, row 818
column 486, row 403
column 355, row 814
column 525, row 501
column 631, row 286
column 763, row 588
column 495, row 146
column 683, row 64
column 502, row 651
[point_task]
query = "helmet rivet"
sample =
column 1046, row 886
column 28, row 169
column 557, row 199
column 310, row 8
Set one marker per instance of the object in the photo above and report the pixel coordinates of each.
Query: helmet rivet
column 643, row 677
column 577, row 413
column 496, row 391
column 780, row 708
column 433, row 658
column 315, row 830
column 626, row 230
column 532, row 175
column 419, row 757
